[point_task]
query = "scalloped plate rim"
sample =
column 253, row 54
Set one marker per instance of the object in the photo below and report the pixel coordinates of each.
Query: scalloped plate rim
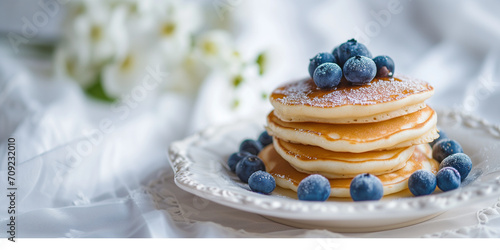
column 304, row 210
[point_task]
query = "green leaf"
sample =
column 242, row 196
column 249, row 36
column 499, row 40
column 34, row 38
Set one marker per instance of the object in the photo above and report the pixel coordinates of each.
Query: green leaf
column 96, row 91
column 237, row 80
column 261, row 61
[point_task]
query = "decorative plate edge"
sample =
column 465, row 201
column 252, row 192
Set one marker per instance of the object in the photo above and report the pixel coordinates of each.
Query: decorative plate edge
column 181, row 165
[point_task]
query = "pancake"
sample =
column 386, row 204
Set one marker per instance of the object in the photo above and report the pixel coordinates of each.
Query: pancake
column 289, row 178
column 403, row 131
column 379, row 100
column 316, row 160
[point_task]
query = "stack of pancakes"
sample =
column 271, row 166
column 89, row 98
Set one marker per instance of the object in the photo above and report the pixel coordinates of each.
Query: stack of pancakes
column 381, row 128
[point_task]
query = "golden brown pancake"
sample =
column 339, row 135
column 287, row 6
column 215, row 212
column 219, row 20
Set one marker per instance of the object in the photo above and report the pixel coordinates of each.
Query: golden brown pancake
column 289, row 178
column 403, row 131
column 381, row 99
column 315, row 160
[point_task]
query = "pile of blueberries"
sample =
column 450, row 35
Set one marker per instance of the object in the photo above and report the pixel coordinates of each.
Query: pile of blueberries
column 249, row 168
column 350, row 60
column 454, row 167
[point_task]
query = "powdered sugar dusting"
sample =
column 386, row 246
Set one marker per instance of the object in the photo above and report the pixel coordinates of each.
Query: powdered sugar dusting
column 305, row 92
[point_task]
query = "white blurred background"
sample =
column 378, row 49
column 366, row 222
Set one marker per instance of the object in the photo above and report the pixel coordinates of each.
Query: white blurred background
column 451, row 44
column 82, row 154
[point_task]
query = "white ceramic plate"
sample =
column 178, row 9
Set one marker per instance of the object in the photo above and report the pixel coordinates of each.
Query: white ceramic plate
column 199, row 164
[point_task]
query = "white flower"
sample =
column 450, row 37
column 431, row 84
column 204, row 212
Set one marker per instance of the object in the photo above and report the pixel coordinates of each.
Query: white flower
column 187, row 76
column 97, row 32
column 68, row 66
column 216, row 49
column 120, row 76
column 119, row 40
column 220, row 102
column 159, row 33
column 171, row 26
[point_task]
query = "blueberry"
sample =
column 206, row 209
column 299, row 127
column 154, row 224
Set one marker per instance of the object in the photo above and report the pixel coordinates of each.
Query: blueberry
column 327, row 75
column 442, row 135
column 265, row 139
column 314, row 187
column 319, row 59
column 247, row 166
column 251, row 146
column 262, row 182
column 385, row 66
column 235, row 158
column 448, row 179
column 444, row 148
column 422, row 182
column 335, row 54
column 366, row 187
column 350, row 49
column 359, row 69
column 459, row 161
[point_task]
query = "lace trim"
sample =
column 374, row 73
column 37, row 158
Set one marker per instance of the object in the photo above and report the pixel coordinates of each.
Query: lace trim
column 165, row 199
column 485, row 214
column 477, row 231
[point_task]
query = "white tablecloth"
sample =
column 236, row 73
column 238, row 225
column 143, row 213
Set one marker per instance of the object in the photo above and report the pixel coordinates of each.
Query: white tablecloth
column 76, row 179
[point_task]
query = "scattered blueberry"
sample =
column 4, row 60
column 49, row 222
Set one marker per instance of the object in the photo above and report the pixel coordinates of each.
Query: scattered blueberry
column 459, row 161
column 385, row 66
column 262, row 182
column 444, row 148
column 366, row 187
column 422, row 182
column 319, row 59
column 314, row 187
column 350, row 49
column 448, row 179
column 359, row 69
column 265, row 139
column 251, row 146
column 442, row 135
column 327, row 75
column 247, row 166
column 235, row 158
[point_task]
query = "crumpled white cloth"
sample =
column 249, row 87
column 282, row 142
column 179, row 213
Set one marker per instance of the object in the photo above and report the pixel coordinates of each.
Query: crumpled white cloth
column 76, row 179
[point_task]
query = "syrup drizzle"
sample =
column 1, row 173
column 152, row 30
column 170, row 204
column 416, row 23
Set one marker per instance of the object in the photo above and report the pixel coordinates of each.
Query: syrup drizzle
column 280, row 168
column 379, row 90
column 314, row 153
column 363, row 132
